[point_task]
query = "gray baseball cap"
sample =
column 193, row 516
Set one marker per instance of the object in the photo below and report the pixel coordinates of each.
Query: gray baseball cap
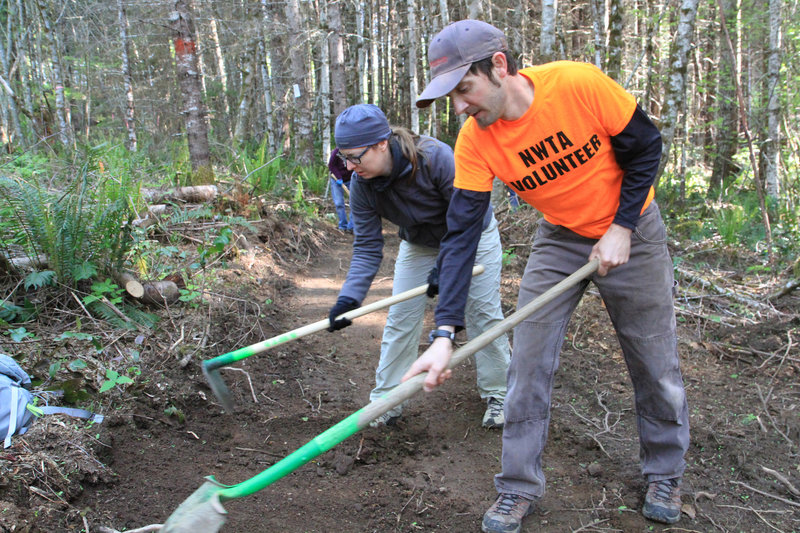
column 453, row 50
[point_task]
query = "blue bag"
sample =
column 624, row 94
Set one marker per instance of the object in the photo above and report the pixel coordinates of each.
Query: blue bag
column 17, row 411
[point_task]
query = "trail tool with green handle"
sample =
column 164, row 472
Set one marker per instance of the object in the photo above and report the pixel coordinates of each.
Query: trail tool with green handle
column 211, row 366
column 202, row 512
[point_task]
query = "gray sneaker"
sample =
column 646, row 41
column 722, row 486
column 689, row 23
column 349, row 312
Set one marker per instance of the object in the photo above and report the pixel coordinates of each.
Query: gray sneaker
column 493, row 418
column 386, row 419
column 662, row 503
column 506, row 514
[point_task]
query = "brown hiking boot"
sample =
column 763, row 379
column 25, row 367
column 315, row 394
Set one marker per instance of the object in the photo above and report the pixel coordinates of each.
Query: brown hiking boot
column 662, row 503
column 506, row 514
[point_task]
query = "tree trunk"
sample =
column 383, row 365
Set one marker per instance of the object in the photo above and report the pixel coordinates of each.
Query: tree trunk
column 412, row 63
column 772, row 144
column 223, row 75
column 547, row 48
column 303, row 139
column 266, row 80
column 616, row 42
column 374, row 69
column 130, row 124
column 325, row 81
column 247, row 93
column 10, row 105
column 675, row 93
column 727, row 139
column 599, row 31
column 64, row 129
column 181, row 22
column 337, row 70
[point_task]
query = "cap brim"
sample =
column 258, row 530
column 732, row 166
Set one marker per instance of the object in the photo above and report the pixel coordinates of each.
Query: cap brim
column 441, row 85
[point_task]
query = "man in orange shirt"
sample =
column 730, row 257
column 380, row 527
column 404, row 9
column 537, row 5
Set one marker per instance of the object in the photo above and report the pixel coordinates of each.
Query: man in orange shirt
column 573, row 143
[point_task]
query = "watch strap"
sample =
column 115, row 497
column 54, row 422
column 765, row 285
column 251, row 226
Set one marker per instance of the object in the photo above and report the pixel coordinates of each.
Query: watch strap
column 435, row 333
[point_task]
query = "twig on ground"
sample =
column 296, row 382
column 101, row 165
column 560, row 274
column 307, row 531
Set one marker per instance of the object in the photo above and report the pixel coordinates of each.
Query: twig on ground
column 758, row 513
column 360, row 445
column 767, row 494
column 249, row 381
column 780, row 477
column 593, row 524
column 764, row 402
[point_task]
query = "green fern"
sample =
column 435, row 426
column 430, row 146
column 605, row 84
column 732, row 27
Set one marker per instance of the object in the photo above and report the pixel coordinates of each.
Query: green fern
column 88, row 222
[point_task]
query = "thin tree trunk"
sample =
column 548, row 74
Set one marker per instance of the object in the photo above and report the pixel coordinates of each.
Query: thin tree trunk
column 726, row 141
column 599, row 31
column 336, row 44
column 412, row 63
column 223, row 75
column 64, row 133
column 616, row 42
column 325, row 79
column 10, row 98
column 130, row 124
column 303, row 140
column 183, row 32
column 772, row 144
column 374, row 69
column 362, row 55
column 22, row 61
column 266, row 79
column 746, row 129
column 675, row 93
column 246, row 93
column 547, row 49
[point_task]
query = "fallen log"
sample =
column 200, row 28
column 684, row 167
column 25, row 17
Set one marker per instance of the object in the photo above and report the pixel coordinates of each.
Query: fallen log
column 160, row 293
column 148, row 292
column 127, row 281
column 193, row 194
column 788, row 288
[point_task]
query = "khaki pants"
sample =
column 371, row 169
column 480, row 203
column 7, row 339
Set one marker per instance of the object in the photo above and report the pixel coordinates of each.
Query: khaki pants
column 639, row 300
column 401, row 335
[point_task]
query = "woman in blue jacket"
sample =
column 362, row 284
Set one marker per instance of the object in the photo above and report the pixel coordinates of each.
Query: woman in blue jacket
column 408, row 180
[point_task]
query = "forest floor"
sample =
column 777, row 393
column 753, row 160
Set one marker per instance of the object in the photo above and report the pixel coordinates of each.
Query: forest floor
column 433, row 471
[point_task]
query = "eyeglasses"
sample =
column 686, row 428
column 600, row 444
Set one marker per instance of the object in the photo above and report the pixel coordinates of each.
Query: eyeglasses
column 355, row 159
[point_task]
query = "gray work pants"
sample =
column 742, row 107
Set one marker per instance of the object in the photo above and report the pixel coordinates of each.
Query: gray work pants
column 401, row 335
column 638, row 297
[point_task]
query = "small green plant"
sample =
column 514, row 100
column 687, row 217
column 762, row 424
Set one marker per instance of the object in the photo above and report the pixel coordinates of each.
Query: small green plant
column 105, row 290
column 190, row 294
column 173, row 411
column 113, row 379
column 508, row 256
column 19, row 334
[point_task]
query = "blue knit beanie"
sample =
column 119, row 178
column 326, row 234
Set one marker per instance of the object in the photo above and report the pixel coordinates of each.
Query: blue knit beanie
column 361, row 125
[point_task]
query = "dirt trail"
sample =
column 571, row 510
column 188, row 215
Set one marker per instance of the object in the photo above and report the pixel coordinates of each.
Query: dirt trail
column 432, row 472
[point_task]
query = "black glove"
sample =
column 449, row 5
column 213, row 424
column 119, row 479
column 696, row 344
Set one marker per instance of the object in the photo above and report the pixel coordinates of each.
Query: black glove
column 433, row 283
column 343, row 305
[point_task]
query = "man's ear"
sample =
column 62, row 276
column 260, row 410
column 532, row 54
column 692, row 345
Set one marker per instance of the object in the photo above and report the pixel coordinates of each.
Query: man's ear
column 500, row 64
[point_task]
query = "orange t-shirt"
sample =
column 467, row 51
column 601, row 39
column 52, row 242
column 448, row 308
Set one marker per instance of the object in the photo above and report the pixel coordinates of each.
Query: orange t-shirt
column 558, row 156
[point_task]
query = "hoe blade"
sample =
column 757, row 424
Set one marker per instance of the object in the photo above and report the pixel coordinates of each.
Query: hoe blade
column 218, row 387
column 202, row 512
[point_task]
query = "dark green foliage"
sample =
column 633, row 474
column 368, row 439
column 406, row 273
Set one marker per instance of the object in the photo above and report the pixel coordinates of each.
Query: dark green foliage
column 84, row 228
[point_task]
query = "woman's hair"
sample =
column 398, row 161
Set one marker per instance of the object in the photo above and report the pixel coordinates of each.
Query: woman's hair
column 408, row 142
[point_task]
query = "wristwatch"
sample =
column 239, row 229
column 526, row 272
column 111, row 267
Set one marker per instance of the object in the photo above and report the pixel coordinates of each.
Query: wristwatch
column 441, row 333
